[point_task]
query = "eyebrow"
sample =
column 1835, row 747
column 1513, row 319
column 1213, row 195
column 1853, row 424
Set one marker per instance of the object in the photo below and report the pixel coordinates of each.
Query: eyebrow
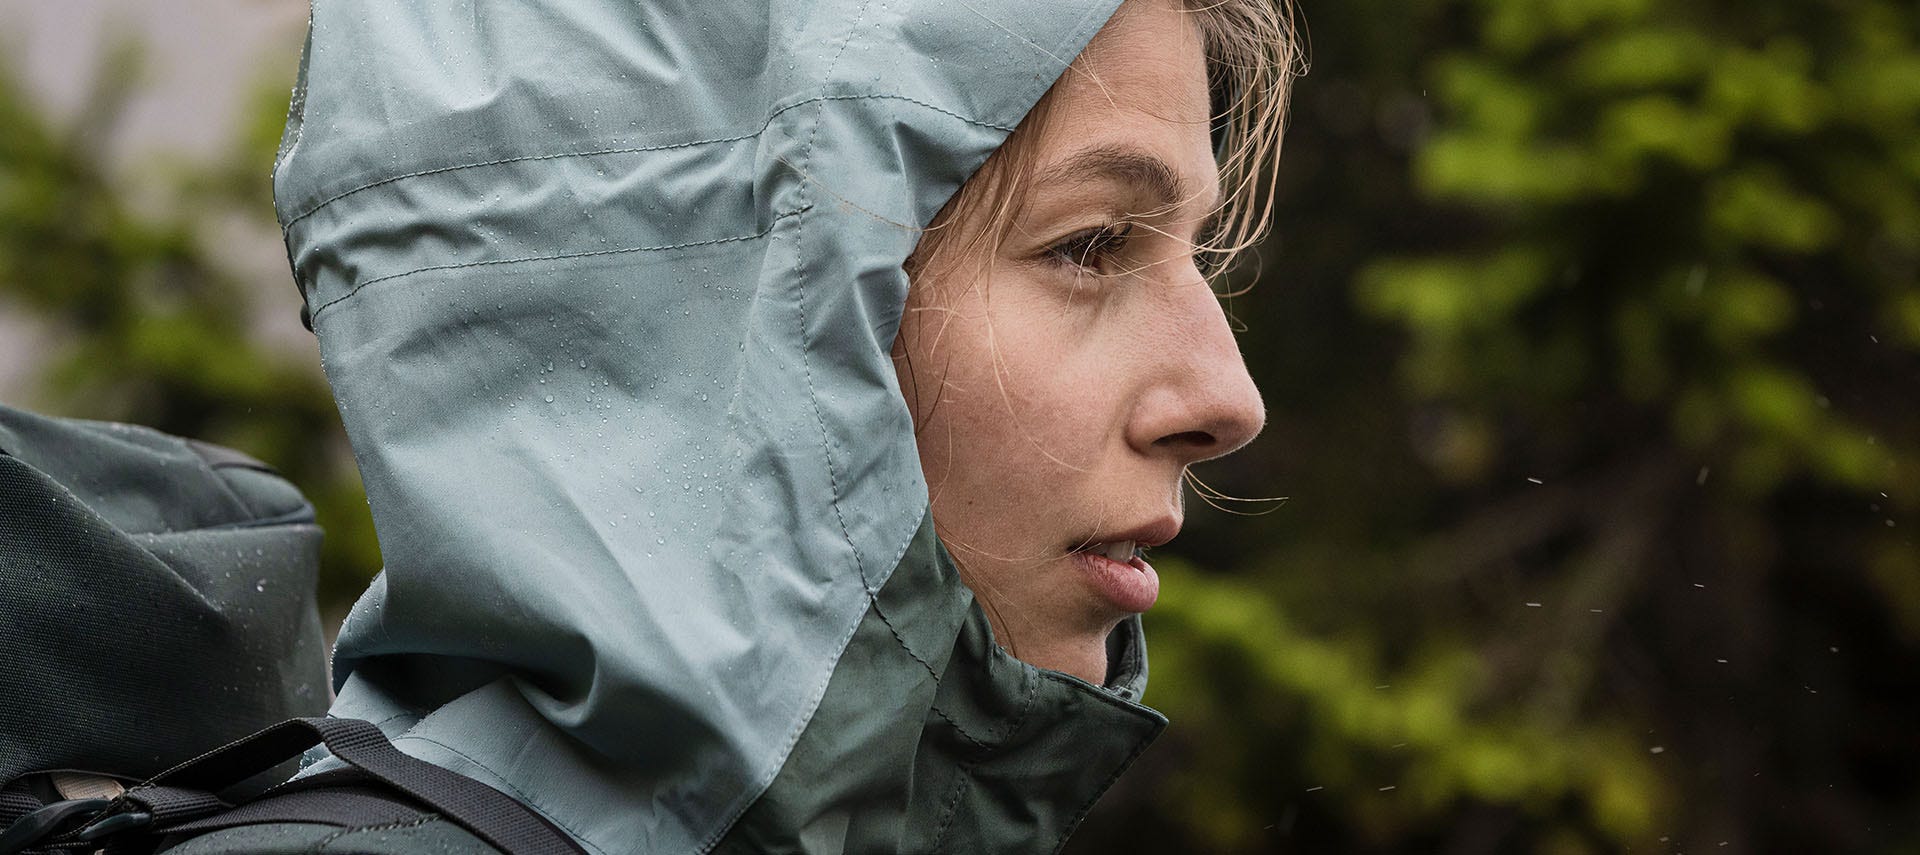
column 1126, row 165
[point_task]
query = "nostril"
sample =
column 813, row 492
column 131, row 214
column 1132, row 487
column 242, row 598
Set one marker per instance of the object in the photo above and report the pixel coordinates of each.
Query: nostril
column 1187, row 439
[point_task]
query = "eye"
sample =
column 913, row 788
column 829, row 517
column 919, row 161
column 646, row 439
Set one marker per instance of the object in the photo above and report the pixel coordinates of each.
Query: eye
column 1092, row 249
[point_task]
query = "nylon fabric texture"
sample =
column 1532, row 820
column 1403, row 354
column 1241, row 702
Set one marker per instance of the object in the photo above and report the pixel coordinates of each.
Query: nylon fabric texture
column 605, row 292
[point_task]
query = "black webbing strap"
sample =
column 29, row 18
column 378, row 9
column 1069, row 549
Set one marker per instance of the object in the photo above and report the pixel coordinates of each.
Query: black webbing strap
column 170, row 804
column 344, row 806
column 14, row 805
column 500, row 820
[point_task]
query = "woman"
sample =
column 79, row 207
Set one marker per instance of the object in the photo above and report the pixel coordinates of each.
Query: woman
column 653, row 372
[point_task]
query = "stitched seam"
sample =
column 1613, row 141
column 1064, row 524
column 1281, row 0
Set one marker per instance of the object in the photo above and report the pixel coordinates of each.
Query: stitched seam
column 813, row 398
column 1026, row 709
column 498, row 162
column 1078, row 815
column 874, row 597
column 315, row 314
column 908, row 649
column 900, row 638
column 1019, row 719
column 1099, row 695
column 629, row 150
column 800, row 304
column 958, row 729
column 1138, row 747
column 517, row 794
column 886, row 96
column 952, row 810
column 1129, row 665
column 395, row 717
column 320, row 846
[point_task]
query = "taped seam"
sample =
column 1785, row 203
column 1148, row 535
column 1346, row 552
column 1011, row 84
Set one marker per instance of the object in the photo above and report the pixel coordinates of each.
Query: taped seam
column 505, row 160
column 315, row 314
column 775, row 114
column 800, row 305
column 813, row 400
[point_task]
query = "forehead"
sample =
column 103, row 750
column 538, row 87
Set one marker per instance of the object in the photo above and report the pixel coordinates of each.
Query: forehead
column 1140, row 86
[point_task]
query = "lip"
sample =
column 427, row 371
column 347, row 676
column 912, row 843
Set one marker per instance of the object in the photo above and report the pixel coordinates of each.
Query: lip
column 1133, row 585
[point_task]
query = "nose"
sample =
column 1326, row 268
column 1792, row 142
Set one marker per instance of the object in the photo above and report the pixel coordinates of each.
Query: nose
column 1202, row 403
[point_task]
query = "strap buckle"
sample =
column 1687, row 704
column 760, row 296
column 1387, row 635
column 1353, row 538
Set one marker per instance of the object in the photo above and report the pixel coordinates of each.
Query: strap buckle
column 113, row 824
column 47, row 822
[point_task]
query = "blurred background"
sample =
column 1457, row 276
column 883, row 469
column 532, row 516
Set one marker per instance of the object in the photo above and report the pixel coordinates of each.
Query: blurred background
column 1590, row 334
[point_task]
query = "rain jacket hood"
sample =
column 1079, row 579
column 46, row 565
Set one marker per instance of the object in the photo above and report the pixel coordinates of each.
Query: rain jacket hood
column 606, row 292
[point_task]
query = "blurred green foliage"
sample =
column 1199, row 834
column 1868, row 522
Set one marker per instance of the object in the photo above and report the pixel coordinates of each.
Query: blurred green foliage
column 1590, row 334
column 1589, row 340
column 148, row 321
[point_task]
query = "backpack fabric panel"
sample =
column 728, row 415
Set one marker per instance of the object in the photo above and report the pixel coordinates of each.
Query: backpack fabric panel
column 160, row 599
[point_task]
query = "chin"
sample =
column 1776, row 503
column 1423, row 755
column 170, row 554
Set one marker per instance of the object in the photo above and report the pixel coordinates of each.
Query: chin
column 1080, row 655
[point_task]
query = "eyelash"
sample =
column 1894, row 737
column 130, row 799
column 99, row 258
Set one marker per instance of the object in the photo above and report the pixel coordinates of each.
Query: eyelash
column 1092, row 249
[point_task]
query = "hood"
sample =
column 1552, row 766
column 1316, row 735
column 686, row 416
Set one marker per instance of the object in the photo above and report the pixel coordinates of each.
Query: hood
column 605, row 291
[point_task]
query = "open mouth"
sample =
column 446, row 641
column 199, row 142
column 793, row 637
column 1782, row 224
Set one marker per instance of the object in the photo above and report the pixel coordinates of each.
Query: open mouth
column 1123, row 551
column 1120, row 574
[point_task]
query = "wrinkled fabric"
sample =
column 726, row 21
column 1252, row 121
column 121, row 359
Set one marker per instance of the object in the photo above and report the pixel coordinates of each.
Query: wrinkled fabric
column 606, row 291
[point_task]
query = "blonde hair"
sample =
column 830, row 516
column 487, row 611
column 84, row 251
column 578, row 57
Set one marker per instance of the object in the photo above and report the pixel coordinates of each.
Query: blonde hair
column 1253, row 54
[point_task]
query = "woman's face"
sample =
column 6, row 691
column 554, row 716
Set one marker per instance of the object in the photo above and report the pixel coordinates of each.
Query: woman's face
column 1062, row 381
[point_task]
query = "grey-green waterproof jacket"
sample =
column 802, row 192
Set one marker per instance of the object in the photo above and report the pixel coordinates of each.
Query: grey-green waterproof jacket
column 606, row 290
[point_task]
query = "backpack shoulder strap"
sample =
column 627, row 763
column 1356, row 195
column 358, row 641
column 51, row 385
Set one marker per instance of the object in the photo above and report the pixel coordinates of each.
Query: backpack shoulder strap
column 500, row 820
column 430, row 834
column 343, row 810
column 382, row 785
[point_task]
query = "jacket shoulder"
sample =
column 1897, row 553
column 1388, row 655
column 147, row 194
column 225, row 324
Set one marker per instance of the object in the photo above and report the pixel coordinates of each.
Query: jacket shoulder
column 426, row 834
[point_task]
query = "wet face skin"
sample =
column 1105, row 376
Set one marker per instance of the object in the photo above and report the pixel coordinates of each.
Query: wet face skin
column 1062, row 381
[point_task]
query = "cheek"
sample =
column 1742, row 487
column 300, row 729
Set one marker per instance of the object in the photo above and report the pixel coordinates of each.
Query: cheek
column 1019, row 390
column 1026, row 396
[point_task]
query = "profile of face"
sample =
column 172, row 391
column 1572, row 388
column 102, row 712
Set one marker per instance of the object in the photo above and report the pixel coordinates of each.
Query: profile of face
column 1062, row 377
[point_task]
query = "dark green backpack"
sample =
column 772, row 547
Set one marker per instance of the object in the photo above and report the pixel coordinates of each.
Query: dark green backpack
column 160, row 646
column 156, row 601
